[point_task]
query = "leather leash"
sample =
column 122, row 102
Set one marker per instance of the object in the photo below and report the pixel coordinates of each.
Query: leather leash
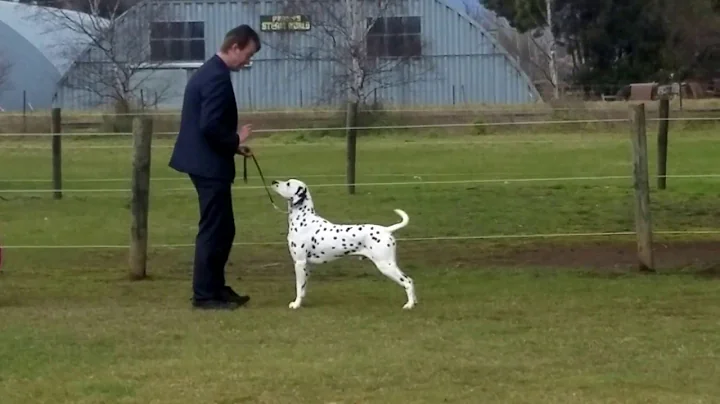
column 262, row 178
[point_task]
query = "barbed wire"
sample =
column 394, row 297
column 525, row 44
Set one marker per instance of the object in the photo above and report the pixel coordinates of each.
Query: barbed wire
column 408, row 239
column 373, row 184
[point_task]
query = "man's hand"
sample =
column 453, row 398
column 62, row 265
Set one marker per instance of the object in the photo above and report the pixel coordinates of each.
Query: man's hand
column 245, row 132
column 244, row 151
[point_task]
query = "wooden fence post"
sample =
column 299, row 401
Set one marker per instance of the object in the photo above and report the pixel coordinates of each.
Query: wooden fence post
column 641, row 185
column 351, row 120
column 24, row 119
column 140, row 202
column 662, row 142
column 56, row 129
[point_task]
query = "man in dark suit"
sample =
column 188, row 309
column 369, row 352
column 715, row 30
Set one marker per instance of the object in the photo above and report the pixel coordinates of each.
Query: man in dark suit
column 205, row 149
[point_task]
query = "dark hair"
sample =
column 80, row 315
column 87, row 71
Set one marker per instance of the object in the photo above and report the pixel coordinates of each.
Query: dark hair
column 240, row 36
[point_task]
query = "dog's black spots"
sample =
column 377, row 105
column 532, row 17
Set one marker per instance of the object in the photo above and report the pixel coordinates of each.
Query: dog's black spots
column 318, row 231
column 322, row 238
column 348, row 229
column 337, row 230
column 303, row 245
column 402, row 279
column 333, row 247
column 335, row 238
column 292, row 244
column 388, row 245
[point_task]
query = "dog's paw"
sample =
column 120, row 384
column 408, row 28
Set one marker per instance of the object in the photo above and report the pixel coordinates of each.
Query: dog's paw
column 409, row 305
column 294, row 305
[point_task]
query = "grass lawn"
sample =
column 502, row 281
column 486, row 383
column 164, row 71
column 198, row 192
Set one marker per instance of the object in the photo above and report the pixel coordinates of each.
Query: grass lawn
column 499, row 321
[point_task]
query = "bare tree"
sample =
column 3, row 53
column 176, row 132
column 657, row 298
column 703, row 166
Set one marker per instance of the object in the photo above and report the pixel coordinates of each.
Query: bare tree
column 345, row 33
column 112, row 58
column 5, row 68
column 355, row 38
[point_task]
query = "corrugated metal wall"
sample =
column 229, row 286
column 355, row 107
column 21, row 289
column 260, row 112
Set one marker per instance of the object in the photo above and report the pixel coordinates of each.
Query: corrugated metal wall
column 461, row 65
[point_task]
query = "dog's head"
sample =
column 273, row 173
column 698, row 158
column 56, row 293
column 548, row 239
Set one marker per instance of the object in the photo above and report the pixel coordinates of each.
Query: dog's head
column 294, row 191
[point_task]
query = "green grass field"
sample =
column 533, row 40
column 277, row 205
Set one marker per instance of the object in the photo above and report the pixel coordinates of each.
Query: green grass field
column 499, row 321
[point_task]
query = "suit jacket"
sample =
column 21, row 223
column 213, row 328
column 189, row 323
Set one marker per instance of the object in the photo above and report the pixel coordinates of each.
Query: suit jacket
column 208, row 140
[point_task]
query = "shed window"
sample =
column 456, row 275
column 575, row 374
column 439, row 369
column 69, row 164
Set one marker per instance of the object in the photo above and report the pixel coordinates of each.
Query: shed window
column 395, row 37
column 177, row 41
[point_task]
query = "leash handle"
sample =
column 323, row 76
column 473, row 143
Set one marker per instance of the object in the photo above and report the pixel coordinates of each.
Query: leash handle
column 245, row 175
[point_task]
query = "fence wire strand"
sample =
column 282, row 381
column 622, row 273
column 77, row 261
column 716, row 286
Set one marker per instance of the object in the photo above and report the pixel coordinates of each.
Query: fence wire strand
column 375, row 184
column 345, row 128
column 440, row 110
column 408, row 239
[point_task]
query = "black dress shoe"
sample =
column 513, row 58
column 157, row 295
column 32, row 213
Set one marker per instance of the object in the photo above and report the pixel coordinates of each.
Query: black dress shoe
column 214, row 305
column 231, row 296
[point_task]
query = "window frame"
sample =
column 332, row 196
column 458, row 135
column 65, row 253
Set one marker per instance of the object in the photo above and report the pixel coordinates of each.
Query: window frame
column 177, row 41
column 397, row 37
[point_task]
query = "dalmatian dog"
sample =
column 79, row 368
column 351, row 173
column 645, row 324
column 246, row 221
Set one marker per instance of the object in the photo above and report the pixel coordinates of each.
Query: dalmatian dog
column 314, row 240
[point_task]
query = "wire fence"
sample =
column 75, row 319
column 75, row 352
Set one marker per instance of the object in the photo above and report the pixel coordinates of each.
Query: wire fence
column 384, row 127
column 80, row 140
column 370, row 184
column 700, row 105
column 401, row 239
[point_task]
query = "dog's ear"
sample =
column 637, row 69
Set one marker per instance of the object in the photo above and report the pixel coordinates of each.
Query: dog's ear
column 299, row 197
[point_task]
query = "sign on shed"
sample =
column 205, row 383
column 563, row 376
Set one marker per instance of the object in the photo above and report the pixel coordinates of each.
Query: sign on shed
column 284, row 23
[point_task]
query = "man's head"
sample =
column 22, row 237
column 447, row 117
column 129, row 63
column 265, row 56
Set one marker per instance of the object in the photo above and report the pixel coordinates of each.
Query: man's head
column 239, row 45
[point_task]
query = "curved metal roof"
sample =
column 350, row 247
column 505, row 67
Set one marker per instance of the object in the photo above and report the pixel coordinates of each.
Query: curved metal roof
column 23, row 20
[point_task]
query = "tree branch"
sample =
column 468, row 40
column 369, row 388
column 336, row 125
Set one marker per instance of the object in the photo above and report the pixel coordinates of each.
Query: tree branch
column 339, row 34
column 112, row 49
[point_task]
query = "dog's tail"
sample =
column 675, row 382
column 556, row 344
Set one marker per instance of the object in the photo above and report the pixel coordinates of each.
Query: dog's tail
column 403, row 223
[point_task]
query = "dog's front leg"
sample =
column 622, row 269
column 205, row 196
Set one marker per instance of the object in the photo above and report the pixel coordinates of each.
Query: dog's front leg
column 300, row 284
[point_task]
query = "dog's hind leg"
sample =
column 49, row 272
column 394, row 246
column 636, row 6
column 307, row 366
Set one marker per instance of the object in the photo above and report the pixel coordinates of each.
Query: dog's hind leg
column 390, row 269
column 301, row 276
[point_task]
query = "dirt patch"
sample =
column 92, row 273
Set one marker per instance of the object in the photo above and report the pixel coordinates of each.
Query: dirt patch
column 599, row 255
column 700, row 257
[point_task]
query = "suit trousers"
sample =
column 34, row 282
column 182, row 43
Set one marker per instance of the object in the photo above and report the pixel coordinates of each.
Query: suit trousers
column 216, row 233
